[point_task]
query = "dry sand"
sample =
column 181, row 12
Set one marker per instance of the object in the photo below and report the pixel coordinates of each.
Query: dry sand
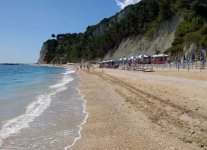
column 131, row 110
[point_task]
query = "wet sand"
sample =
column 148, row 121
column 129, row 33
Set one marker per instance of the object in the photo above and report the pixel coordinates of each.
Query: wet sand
column 139, row 111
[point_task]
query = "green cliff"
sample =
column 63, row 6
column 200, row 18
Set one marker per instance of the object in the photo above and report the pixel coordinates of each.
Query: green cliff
column 151, row 25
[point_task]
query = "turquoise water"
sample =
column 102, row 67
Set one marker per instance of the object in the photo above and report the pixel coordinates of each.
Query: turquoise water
column 13, row 77
column 40, row 107
column 20, row 84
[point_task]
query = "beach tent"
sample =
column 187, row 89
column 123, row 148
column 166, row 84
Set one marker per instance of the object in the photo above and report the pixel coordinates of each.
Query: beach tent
column 159, row 59
column 160, row 55
column 132, row 57
column 142, row 56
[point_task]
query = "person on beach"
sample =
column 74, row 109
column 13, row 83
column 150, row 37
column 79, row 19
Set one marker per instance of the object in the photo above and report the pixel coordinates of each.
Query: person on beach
column 88, row 66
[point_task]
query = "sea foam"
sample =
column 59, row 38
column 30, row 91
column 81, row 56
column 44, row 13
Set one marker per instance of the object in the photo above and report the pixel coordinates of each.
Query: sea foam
column 69, row 147
column 34, row 109
column 66, row 79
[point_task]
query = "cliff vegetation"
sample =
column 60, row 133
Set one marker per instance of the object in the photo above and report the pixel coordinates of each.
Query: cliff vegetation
column 143, row 19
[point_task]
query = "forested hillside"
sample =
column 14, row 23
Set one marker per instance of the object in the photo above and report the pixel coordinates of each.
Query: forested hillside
column 141, row 19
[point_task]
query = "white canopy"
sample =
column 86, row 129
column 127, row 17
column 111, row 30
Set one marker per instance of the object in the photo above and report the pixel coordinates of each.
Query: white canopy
column 142, row 56
column 160, row 55
column 132, row 57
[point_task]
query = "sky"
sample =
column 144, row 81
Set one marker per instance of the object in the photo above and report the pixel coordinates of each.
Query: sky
column 26, row 24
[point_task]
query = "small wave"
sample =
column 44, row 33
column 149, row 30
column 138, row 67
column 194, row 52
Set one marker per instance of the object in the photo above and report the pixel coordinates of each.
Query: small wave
column 63, row 82
column 69, row 71
column 66, row 79
column 33, row 110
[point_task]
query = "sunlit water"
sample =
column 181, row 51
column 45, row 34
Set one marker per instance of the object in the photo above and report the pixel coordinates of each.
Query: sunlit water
column 40, row 107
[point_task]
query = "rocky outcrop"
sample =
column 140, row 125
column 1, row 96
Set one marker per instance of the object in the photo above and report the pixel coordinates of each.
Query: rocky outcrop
column 141, row 44
column 43, row 53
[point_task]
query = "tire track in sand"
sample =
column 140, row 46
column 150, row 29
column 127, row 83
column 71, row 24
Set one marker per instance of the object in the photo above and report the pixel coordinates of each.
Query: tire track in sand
column 172, row 119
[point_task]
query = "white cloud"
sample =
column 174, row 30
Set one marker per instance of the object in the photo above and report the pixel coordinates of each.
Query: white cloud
column 124, row 3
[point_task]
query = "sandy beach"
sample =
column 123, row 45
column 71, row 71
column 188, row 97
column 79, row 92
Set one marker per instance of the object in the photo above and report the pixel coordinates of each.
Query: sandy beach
column 162, row 110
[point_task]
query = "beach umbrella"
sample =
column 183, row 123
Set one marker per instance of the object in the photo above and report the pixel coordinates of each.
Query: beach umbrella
column 140, row 56
column 162, row 55
column 154, row 55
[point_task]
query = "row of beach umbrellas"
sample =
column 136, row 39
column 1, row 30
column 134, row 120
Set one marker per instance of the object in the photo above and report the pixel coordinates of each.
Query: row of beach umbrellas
column 140, row 57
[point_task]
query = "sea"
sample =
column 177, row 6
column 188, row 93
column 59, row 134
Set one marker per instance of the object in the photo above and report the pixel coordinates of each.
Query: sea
column 41, row 108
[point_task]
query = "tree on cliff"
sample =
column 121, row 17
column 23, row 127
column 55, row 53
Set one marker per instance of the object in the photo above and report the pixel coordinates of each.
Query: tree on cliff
column 53, row 36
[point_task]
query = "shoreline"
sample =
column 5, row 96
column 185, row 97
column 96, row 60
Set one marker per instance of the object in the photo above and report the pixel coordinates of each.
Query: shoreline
column 118, row 121
column 80, row 126
column 39, row 110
